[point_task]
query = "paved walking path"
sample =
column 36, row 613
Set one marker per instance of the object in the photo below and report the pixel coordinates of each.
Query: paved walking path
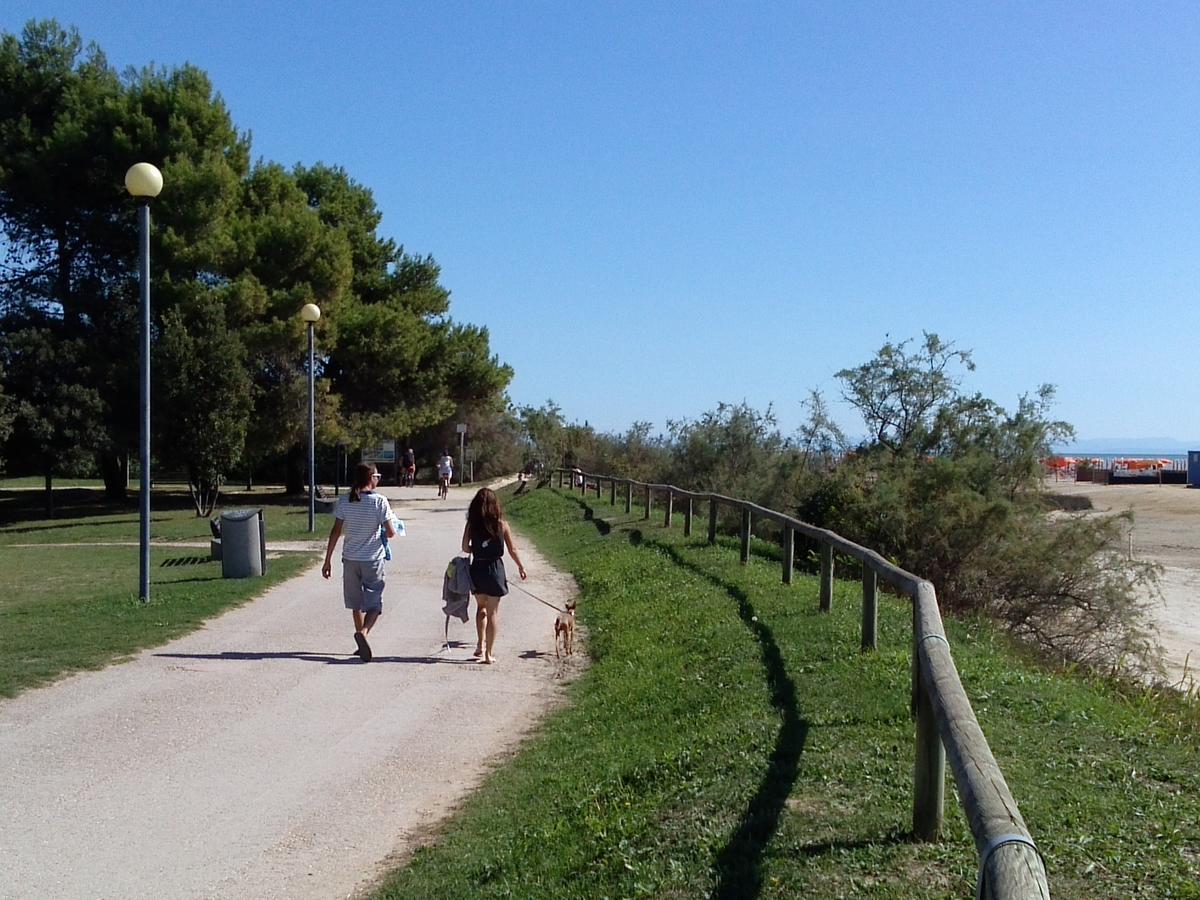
column 258, row 758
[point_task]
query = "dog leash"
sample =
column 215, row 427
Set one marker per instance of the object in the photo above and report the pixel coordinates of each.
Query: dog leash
column 539, row 599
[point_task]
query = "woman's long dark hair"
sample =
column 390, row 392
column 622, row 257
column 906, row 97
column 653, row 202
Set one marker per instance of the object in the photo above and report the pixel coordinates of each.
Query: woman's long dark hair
column 363, row 473
column 484, row 516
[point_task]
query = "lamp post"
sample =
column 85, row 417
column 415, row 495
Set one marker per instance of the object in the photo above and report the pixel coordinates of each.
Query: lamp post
column 144, row 181
column 310, row 313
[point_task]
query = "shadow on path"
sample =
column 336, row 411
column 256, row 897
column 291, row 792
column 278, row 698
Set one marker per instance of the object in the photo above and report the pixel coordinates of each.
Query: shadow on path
column 332, row 659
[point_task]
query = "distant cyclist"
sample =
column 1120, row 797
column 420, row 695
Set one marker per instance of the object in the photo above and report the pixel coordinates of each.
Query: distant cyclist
column 409, row 476
column 445, row 469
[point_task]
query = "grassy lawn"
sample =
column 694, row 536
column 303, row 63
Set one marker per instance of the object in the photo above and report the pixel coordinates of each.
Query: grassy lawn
column 68, row 608
column 731, row 741
column 85, row 515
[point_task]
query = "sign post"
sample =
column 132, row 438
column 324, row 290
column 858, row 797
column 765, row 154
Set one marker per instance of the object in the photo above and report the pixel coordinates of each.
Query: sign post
column 383, row 453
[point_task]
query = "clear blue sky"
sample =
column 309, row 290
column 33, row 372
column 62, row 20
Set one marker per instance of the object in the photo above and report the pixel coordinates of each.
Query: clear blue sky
column 655, row 207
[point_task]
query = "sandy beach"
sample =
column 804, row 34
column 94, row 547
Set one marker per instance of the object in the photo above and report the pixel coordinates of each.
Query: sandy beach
column 1166, row 530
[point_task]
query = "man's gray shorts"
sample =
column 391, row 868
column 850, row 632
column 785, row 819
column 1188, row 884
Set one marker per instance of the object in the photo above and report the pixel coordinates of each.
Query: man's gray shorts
column 362, row 584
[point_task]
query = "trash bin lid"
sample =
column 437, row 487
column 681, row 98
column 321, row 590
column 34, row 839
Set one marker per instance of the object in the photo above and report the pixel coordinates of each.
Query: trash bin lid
column 240, row 515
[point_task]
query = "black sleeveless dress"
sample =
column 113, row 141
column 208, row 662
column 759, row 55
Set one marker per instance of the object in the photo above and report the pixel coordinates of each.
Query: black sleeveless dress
column 487, row 567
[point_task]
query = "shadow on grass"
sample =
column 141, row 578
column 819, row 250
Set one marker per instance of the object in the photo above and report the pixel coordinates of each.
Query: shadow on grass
column 739, row 864
column 589, row 515
column 17, row 506
column 33, row 529
column 825, row 848
column 184, row 561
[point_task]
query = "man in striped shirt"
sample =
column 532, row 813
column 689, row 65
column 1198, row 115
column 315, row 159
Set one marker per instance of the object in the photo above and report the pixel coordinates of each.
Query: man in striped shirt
column 359, row 516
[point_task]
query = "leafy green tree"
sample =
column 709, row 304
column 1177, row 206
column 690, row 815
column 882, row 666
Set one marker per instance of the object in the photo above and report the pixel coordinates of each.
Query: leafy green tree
column 259, row 242
column 58, row 409
column 69, row 128
column 819, row 439
column 204, row 401
column 900, row 393
column 7, row 414
column 951, row 488
column 545, row 430
column 285, row 257
column 731, row 450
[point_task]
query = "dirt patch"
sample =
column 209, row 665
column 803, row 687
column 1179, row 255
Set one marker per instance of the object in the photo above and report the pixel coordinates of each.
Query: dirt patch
column 1068, row 502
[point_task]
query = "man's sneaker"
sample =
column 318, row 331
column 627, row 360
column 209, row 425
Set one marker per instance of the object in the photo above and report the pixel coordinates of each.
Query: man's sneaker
column 364, row 649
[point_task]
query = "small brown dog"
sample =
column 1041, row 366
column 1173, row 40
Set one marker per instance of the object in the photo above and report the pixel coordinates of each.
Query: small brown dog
column 564, row 631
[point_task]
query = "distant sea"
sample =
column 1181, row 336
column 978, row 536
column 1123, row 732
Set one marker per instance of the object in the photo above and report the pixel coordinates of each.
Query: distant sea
column 1178, row 460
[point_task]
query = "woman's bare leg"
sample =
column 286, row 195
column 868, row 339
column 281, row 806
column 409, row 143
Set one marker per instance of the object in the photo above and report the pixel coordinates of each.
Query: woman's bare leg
column 491, row 606
column 479, row 625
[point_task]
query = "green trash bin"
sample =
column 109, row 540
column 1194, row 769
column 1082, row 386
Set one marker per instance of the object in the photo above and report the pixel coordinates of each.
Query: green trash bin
column 243, row 543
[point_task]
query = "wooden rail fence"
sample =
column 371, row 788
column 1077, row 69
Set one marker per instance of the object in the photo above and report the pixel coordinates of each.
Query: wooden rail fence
column 1010, row 866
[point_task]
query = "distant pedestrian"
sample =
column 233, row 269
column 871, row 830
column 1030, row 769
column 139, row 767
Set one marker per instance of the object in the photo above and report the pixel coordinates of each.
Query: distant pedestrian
column 484, row 538
column 360, row 515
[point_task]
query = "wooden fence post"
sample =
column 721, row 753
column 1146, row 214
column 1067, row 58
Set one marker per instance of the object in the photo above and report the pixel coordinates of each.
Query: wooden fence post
column 789, row 554
column 687, row 519
column 746, row 523
column 915, row 676
column 649, row 501
column 583, row 486
column 559, row 473
column 870, row 610
column 612, row 492
column 670, row 508
column 712, row 521
column 929, row 776
column 628, row 497
column 826, row 577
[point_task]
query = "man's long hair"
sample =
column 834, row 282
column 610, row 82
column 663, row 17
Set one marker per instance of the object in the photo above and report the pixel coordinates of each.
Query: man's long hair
column 363, row 473
column 484, row 516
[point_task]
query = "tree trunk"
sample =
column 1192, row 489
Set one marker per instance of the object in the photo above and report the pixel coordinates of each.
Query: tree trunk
column 114, row 469
column 63, row 287
column 49, row 496
column 297, row 481
column 204, row 496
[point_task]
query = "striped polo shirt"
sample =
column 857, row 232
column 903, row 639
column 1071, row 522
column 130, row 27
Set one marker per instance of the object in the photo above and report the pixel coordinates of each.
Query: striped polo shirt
column 361, row 522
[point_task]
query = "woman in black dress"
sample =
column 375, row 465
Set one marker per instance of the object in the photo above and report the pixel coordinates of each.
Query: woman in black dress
column 485, row 537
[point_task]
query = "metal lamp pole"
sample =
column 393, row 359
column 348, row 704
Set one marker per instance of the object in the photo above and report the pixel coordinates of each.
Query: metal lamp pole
column 144, row 182
column 310, row 314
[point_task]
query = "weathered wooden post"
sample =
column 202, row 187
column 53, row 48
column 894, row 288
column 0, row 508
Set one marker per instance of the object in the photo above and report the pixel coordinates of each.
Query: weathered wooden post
column 915, row 675
column 929, row 777
column 712, row 520
column 826, row 577
column 687, row 519
column 628, row 497
column 583, row 485
column 649, row 501
column 870, row 610
column 789, row 553
column 670, row 507
column 559, row 473
column 612, row 492
column 746, row 522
